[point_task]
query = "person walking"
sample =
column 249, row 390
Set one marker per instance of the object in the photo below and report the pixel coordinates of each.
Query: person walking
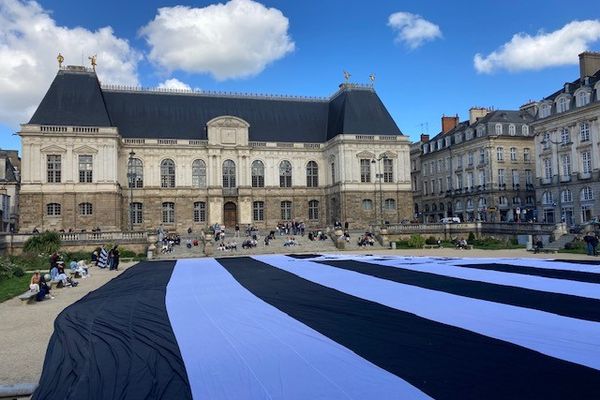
column 594, row 244
column 589, row 244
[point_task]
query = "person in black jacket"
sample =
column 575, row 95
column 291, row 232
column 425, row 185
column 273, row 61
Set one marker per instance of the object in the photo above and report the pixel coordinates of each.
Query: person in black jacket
column 116, row 255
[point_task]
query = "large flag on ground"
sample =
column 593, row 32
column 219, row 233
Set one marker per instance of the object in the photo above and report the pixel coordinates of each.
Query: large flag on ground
column 332, row 327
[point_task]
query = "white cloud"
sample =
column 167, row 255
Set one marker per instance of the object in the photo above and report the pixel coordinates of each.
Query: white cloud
column 232, row 40
column 174, row 83
column 29, row 43
column 526, row 52
column 413, row 30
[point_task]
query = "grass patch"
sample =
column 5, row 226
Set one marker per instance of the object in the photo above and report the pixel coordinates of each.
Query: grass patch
column 575, row 247
column 14, row 286
column 496, row 244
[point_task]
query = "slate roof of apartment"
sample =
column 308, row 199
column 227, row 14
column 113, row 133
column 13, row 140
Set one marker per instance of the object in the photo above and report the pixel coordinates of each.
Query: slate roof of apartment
column 77, row 98
column 574, row 85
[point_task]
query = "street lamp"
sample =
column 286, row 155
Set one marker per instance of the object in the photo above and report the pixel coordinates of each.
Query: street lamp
column 379, row 176
column 131, row 176
column 556, row 143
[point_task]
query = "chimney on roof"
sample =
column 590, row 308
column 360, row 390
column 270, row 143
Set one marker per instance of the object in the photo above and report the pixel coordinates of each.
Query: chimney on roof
column 424, row 138
column 589, row 63
column 449, row 123
column 476, row 113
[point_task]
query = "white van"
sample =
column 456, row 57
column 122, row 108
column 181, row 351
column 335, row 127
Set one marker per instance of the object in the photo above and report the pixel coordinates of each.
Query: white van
column 450, row 220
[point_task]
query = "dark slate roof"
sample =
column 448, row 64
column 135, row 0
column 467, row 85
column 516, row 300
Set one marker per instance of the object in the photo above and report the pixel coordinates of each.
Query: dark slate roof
column 512, row 116
column 576, row 84
column 76, row 98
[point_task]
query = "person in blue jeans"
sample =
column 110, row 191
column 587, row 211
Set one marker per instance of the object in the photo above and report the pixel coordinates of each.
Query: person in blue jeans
column 589, row 239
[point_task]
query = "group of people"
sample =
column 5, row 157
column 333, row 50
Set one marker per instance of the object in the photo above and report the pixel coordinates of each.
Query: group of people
column 290, row 241
column 462, row 244
column 367, row 239
column 294, row 227
column 39, row 283
column 229, row 246
column 591, row 243
column 103, row 258
column 317, row 235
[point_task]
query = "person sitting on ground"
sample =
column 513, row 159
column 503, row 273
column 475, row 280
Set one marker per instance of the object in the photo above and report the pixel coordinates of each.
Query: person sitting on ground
column 539, row 245
column 34, row 284
column 347, row 236
column 75, row 268
column 267, row 238
column 57, row 276
column 43, row 289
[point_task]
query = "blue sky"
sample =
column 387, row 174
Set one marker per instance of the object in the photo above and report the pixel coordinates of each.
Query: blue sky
column 417, row 79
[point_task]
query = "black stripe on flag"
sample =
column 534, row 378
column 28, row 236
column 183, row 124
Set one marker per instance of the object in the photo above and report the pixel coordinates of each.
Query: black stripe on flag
column 580, row 276
column 557, row 303
column 443, row 361
column 117, row 343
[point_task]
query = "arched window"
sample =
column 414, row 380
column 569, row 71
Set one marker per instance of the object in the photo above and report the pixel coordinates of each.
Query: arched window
column 525, row 130
column 587, row 194
column 469, row 204
column 563, row 105
column 137, row 213
column 285, row 174
column 367, row 204
column 313, row 210
column 498, row 129
column 512, row 131
column 583, row 98
column 199, row 174
column 168, row 213
column 228, row 174
column 258, row 211
column 286, row 210
column 545, row 110
column 389, row 204
column 85, row 208
column 53, row 209
column 566, row 196
column 312, row 174
column 167, row 174
column 482, row 202
column 136, row 174
column 458, row 205
column 547, row 198
column 258, row 174
column 480, row 131
column 199, row 211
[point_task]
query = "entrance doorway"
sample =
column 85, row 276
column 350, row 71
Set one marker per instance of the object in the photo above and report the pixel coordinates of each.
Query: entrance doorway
column 230, row 214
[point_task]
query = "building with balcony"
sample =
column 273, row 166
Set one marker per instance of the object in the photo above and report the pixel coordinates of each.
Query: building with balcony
column 480, row 169
column 567, row 140
column 119, row 158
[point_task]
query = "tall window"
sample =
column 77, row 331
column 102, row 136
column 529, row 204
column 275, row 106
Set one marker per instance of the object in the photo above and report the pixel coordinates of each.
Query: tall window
column 53, row 168
column 258, row 174
column 137, row 213
column 470, row 158
column 501, row 176
column 459, row 161
column 583, row 98
column 498, row 129
column 365, row 170
column 515, row 177
column 85, row 208
column 388, row 170
column 228, row 174
column 389, row 204
column 565, row 161
column 528, row 177
column 482, row 156
column 547, row 168
column 500, row 153
column 258, row 211
column 586, row 162
column 584, row 131
column 286, row 210
column 136, row 169
column 367, row 204
column 199, row 211
column 167, row 174
column 168, row 213
column 526, row 155
column 199, row 174
column 547, row 198
column 285, row 174
column 566, row 196
column 546, row 141
column 425, row 188
column 53, row 209
column 482, row 178
column 513, row 154
column 313, row 210
column 85, row 169
column 333, row 172
column 470, row 180
column 565, row 137
column 587, row 194
column 525, row 130
column 512, row 131
column 312, row 174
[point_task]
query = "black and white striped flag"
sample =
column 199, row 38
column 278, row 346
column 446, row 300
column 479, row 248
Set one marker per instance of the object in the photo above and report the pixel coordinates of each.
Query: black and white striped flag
column 103, row 258
column 333, row 327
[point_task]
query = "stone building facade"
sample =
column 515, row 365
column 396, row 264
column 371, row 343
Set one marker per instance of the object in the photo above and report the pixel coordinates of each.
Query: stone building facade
column 567, row 140
column 10, row 165
column 480, row 169
column 92, row 153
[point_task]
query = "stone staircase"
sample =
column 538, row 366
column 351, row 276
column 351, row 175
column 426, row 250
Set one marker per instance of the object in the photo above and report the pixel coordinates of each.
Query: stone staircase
column 353, row 243
column 560, row 243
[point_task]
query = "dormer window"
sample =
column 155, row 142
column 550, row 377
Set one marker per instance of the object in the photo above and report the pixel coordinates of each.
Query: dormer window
column 525, row 130
column 498, row 129
column 447, row 141
column 512, row 131
column 545, row 110
column 582, row 98
column 469, row 134
column 480, row 131
column 562, row 105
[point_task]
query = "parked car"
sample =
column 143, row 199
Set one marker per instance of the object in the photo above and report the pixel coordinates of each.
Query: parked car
column 450, row 220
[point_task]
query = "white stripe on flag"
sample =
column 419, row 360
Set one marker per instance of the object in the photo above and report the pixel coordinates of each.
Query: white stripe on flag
column 552, row 285
column 235, row 346
column 565, row 338
column 538, row 263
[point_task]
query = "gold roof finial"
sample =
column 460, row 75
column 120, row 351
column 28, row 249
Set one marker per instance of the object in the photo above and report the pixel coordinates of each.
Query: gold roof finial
column 347, row 75
column 60, row 60
column 93, row 61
